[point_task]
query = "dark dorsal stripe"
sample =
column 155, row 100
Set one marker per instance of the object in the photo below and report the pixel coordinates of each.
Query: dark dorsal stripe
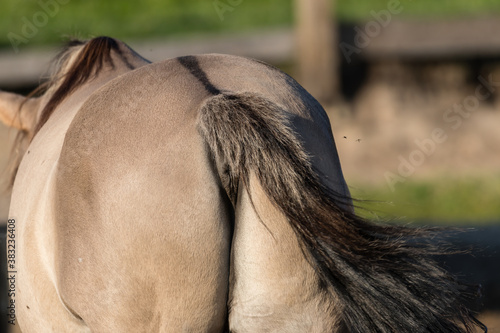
column 192, row 64
column 89, row 63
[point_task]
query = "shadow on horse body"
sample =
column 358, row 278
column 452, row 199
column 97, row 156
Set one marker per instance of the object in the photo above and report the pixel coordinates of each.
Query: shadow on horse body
column 201, row 194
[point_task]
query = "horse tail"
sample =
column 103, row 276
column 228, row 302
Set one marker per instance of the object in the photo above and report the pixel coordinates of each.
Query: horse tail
column 381, row 275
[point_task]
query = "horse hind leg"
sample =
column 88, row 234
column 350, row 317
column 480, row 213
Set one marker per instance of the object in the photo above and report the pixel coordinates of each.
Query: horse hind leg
column 273, row 287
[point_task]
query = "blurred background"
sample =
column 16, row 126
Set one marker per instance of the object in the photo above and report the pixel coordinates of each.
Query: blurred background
column 412, row 89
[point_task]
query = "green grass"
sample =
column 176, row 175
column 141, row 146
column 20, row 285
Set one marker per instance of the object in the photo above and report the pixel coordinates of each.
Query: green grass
column 360, row 10
column 442, row 200
column 155, row 18
column 140, row 19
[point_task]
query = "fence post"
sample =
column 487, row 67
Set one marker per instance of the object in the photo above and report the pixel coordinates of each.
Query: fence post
column 317, row 56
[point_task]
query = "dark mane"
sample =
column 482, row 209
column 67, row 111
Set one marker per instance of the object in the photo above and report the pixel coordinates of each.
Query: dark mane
column 88, row 64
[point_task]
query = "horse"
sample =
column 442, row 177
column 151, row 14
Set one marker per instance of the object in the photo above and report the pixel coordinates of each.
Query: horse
column 201, row 194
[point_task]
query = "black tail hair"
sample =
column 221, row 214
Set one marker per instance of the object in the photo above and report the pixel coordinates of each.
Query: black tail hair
column 381, row 274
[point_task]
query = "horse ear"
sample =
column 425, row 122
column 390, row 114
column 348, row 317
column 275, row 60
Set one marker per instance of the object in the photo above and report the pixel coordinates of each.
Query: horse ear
column 17, row 111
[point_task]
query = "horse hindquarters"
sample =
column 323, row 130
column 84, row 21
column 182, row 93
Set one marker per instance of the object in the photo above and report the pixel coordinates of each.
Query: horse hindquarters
column 146, row 230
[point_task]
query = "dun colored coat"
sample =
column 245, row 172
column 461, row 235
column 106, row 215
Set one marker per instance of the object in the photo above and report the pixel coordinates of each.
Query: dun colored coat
column 201, row 194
